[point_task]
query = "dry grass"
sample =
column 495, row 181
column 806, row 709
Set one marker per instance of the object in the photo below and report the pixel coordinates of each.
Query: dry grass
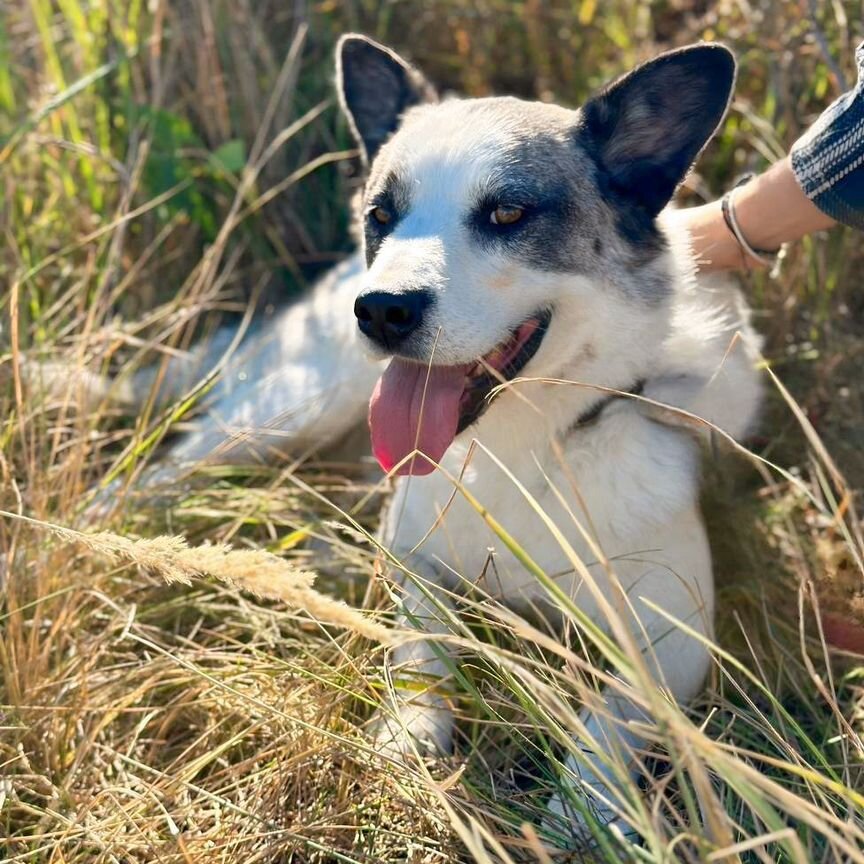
column 254, row 570
column 162, row 164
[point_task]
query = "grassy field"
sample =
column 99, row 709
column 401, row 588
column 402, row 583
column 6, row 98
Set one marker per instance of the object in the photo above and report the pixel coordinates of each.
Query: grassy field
column 163, row 163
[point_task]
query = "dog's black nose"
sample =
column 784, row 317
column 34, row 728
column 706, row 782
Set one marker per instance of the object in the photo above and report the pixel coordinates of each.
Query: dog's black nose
column 389, row 319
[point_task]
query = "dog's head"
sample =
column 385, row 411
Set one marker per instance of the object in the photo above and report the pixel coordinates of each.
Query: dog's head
column 500, row 233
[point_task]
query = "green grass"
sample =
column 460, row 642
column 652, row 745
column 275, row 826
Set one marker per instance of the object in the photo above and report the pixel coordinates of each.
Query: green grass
column 142, row 199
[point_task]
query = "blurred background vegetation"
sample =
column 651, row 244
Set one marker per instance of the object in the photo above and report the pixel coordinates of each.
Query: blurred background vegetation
column 165, row 162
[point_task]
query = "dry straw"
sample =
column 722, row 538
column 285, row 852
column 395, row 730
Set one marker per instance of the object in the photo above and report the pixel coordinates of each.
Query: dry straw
column 253, row 570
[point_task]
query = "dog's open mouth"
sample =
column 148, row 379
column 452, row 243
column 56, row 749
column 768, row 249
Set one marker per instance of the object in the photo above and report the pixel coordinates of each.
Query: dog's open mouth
column 421, row 407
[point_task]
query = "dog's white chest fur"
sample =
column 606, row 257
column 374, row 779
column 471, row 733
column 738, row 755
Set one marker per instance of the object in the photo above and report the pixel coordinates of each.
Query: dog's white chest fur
column 617, row 484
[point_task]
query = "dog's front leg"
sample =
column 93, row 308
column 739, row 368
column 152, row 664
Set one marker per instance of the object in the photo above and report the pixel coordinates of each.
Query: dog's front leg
column 417, row 713
column 604, row 766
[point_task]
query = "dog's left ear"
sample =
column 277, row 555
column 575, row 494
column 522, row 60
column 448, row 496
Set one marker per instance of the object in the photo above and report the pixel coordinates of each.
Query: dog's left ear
column 646, row 129
column 376, row 87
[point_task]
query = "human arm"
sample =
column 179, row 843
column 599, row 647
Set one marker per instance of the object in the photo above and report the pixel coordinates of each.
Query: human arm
column 819, row 183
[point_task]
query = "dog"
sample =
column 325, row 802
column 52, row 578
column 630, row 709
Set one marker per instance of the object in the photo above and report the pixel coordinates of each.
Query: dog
column 509, row 247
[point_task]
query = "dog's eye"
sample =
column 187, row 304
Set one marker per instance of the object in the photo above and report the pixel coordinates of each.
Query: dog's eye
column 505, row 215
column 381, row 215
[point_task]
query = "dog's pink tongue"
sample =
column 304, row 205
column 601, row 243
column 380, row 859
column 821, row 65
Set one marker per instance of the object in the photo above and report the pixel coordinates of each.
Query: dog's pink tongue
column 402, row 418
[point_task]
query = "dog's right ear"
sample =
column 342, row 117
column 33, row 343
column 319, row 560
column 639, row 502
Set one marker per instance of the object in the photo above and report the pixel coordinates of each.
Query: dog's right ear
column 376, row 87
column 646, row 129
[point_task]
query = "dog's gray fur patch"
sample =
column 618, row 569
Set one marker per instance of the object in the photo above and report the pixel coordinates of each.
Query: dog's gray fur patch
column 573, row 227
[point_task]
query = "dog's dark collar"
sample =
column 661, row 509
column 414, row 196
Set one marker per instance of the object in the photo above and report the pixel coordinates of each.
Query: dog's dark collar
column 592, row 415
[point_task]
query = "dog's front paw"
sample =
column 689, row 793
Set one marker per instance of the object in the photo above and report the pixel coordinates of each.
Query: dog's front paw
column 568, row 826
column 405, row 728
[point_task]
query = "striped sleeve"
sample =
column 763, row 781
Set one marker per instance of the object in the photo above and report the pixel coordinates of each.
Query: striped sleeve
column 828, row 160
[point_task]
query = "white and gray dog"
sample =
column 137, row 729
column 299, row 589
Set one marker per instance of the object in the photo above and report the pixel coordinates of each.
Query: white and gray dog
column 505, row 238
